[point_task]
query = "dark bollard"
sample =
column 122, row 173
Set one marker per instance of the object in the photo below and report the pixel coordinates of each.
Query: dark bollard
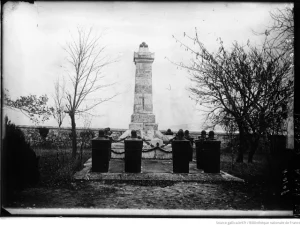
column 211, row 135
column 133, row 155
column 180, row 156
column 189, row 138
column 109, row 154
column 211, row 156
column 101, row 147
column 191, row 149
column 203, row 135
column 199, row 153
column 107, row 133
column 199, row 150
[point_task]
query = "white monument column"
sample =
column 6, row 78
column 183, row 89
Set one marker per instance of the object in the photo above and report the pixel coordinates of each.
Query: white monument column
column 143, row 118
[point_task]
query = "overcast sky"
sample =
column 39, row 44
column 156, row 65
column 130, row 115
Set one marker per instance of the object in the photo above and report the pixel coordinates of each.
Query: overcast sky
column 34, row 36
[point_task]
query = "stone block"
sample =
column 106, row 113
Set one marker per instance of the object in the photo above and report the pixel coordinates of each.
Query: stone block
column 136, row 126
column 143, row 81
column 140, row 98
column 146, row 109
column 148, row 155
column 147, row 74
column 143, row 118
column 144, row 66
column 150, row 126
column 138, row 56
column 139, row 88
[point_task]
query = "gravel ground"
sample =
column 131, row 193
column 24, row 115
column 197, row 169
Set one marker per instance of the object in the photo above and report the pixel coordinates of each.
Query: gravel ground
column 153, row 195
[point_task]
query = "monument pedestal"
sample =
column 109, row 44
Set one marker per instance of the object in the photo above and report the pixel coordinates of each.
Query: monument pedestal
column 143, row 126
column 142, row 118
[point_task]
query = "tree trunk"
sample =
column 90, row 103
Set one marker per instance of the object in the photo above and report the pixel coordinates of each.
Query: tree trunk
column 253, row 148
column 240, row 156
column 290, row 142
column 74, row 137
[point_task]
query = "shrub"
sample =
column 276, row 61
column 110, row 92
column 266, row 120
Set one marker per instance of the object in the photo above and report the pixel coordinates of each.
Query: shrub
column 87, row 134
column 20, row 164
column 58, row 167
column 71, row 135
column 43, row 132
column 86, row 137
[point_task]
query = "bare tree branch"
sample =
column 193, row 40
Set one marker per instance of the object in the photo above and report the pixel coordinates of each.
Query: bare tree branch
column 87, row 59
column 245, row 85
column 59, row 102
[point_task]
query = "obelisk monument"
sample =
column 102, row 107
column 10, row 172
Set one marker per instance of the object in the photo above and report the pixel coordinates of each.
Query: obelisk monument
column 143, row 119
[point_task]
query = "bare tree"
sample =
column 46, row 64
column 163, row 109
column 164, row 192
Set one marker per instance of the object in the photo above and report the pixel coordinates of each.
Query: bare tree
column 87, row 59
column 281, row 36
column 281, row 32
column 245, row 84
column 59, row 102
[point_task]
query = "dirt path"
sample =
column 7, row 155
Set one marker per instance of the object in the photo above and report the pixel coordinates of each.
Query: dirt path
column 163, row 195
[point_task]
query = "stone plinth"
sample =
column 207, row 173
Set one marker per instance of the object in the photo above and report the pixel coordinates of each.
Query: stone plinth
column 136, row 126
column 143, row 118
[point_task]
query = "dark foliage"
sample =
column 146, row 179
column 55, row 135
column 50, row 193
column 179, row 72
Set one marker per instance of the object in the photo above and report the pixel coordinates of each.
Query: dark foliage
column 43, row 132
column 20, row 163
column 35, row 108
column 87, row 134
column 58, row 167
column 71, row 135
column 246, row 88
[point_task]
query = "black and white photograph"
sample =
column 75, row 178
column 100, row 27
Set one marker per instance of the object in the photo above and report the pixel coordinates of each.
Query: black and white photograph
column 149, row 109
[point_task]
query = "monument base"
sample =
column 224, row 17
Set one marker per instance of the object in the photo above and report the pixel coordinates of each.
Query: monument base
column 143, row 118
column 143, row 126
column 155, row 154
column 155, row 137
column 144, row 130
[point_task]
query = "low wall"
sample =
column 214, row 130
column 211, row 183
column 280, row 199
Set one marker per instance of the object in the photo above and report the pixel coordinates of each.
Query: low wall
column 63, row 138
column 62, row 135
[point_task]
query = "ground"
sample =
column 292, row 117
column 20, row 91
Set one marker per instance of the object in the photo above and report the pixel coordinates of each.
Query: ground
column 256, row 193
column 162, row 195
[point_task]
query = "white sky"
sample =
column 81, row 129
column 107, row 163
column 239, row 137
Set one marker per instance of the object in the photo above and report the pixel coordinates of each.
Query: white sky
column 33, row 58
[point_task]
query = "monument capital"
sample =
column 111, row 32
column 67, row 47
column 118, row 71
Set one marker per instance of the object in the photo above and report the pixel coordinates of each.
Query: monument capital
column 143, row 55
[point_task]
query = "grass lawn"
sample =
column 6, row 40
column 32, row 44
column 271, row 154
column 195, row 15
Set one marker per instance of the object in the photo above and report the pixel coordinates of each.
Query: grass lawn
column 259, row 170
column 57, row 166
column 264, row 175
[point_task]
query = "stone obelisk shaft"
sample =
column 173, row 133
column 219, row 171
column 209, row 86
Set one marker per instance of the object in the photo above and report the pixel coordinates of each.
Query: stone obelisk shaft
column 143, row 117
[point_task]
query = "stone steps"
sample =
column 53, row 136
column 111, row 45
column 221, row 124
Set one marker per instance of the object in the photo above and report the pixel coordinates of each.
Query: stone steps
column 152, row 170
